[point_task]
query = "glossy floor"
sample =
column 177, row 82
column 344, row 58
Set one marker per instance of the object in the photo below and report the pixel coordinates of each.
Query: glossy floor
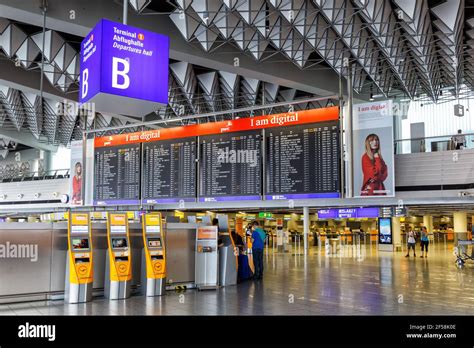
column 353, row 282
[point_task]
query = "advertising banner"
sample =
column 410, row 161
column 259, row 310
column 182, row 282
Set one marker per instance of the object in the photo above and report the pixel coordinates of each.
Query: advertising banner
column 124, row 69
column 76, row 173
column 373, row 151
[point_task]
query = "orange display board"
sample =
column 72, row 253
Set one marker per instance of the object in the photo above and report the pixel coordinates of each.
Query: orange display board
column 207, row 232
column 243, row 124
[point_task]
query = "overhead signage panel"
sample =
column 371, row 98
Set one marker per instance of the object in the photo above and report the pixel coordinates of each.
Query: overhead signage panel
column 124, row 69
column 231, row 126
column 346, row 213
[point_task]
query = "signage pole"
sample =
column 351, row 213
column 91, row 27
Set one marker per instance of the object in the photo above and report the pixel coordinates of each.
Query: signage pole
column 341, row 136
column 350, row 176
column 305, row 228
column 125, row 11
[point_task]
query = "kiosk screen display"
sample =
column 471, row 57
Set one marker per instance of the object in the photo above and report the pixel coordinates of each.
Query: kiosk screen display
column 154, row 242
column 118, row 243
column 80, row 243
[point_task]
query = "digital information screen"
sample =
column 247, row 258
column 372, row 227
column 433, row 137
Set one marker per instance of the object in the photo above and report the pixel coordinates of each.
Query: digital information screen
column 303, row 161
column 385, row 230
column 230, row 167
column 169, row 171
column 117, row 175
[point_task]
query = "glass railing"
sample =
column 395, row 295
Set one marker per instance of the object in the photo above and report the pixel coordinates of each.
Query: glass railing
column 431, row 144
column 31, row 176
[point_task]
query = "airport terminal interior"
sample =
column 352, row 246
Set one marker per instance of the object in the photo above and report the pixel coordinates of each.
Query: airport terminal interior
column 236, row 157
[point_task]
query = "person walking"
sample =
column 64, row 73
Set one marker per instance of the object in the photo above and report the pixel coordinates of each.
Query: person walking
column 258, row 239
column 411, row 241
column 424, row 241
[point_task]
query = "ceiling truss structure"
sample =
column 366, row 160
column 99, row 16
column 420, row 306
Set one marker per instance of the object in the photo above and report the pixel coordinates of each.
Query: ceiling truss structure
column 417, row 48
column 401, row 44
column 192, row 90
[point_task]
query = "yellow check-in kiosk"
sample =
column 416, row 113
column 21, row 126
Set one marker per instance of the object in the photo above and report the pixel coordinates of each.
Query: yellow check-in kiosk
column 118, row 273
column 154, row 254
column 79, row 266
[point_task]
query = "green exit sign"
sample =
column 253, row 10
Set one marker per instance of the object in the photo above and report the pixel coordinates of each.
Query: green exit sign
column 264, row 215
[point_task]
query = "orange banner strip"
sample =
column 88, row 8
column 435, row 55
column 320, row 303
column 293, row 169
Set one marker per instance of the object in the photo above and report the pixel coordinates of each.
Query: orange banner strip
column 231, row 126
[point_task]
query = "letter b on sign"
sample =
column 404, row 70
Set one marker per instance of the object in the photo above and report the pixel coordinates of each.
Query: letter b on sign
column 122, row 72
column 85, row 85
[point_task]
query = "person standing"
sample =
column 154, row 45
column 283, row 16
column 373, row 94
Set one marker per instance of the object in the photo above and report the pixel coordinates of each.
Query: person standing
column 258, row 239
column 411, row 242
column 459, row 140
column 424, row 241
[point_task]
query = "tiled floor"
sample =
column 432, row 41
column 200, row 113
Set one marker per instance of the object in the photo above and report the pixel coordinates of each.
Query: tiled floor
column 351, row 283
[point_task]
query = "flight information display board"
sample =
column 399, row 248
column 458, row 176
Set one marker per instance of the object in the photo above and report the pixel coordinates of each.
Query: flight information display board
column 117, row 175
column 230, row 167
column 169, row 171
column 303, row 161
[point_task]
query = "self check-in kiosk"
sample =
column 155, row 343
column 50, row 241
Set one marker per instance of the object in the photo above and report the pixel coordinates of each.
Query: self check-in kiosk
column 207, row 258
column 79, row 266
column 227, row 253
column 118, row 274
column 154, row 253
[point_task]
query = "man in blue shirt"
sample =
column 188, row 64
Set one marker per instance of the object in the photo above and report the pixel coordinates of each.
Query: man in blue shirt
column 258, row 239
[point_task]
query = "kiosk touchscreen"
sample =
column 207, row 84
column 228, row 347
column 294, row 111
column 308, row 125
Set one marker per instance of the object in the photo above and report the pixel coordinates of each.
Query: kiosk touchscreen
column 207, row 258
column 79, row 266
column 118, row 264
column 154, row 281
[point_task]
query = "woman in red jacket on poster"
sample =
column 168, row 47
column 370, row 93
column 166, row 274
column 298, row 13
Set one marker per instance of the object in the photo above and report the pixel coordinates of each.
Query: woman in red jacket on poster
column 77, row 184
column 373, row 167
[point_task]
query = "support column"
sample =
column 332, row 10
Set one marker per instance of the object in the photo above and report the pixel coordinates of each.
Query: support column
column 472, row 228
column 47, row 158
column 428, row 222
column 397, row 234
column 460, row 225
column 305, row 228
column 348, row 132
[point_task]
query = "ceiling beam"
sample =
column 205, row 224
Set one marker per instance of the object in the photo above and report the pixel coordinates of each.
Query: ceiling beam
column 26, row 138
column 275, row 70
